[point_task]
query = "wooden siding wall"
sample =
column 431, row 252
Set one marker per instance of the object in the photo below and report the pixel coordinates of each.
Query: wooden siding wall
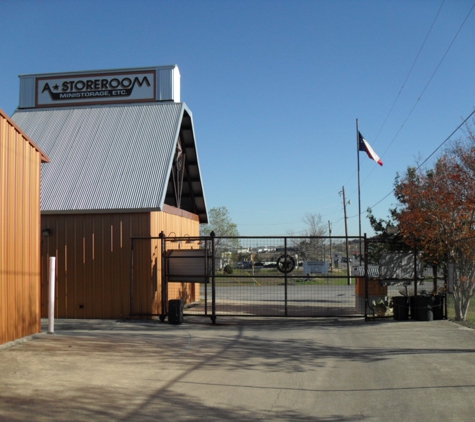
column 93, row 258
column 19, row 234
column 181, row 224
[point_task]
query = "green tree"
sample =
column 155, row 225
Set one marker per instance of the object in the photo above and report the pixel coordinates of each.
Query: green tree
column 223, row 227
column 387, row 240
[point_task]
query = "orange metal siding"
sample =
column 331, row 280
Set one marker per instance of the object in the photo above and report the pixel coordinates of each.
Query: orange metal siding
column 20, row 162
column 179, row 223
column 93, row 255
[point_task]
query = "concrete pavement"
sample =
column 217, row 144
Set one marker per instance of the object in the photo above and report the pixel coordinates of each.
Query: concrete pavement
column 241, row 369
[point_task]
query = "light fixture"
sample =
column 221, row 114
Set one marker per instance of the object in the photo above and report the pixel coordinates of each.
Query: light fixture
column 174, row 235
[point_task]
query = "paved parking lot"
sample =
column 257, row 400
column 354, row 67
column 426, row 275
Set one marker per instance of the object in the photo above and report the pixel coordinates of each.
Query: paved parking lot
column 241, row 369
column 275, row 300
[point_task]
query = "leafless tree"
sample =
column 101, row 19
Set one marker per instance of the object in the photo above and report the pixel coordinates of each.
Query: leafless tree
column 310, row 247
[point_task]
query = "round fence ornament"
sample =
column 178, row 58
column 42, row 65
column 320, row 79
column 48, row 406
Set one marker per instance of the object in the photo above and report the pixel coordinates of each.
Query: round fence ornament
column 285, row 264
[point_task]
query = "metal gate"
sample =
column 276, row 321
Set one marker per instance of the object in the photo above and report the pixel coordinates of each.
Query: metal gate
column 397, row 284
column 277, row 276
column 264, row 276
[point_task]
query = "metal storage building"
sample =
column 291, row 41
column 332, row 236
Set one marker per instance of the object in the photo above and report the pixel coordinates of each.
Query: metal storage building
column 124, row 163
column 20, row 161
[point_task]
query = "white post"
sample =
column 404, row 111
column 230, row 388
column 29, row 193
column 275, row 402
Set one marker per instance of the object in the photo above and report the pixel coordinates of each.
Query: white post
column 51, row 278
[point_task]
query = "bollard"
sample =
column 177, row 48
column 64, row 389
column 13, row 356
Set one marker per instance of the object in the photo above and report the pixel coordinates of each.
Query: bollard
column 51, row 278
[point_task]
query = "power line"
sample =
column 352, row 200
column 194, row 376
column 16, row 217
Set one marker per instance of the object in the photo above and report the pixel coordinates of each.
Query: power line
column 458, row 127
column 420, row 96
column 410, row 70
column 430, row 79
column 440, row 146
column 407, row 77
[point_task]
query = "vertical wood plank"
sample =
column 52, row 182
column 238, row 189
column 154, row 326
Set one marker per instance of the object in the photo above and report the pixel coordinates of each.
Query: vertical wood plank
column 19, row 233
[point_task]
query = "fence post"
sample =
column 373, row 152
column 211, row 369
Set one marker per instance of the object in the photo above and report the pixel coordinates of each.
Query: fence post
column 51, row 278
column 164, row 281
column 213, row 279
column 366, row 278
column 415, row 269
column 285, row 280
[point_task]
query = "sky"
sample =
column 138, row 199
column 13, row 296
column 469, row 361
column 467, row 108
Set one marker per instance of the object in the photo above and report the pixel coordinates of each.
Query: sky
column 276, row 88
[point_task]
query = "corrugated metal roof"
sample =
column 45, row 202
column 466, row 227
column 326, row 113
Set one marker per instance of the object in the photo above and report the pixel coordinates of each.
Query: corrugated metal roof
column 110, row 157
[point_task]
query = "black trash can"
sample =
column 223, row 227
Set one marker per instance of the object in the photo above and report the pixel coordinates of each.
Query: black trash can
column 175, row 311
column 412, row 307
column 422, row 308
column 401, row 308
column 438, row 307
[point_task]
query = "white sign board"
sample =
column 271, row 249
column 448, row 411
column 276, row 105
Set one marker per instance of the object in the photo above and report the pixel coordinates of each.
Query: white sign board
column 115, row 87
column 315, row 267
column 398, row 265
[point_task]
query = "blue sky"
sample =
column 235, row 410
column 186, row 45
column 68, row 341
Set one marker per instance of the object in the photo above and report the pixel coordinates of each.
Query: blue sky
column 275, row 88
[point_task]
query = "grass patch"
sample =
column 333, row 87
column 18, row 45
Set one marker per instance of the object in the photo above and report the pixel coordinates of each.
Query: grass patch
column 272, row 277
column 470, row 322
column 320, row 281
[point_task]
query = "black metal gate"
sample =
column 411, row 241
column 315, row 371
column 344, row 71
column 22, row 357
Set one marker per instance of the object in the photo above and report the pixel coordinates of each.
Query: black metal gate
column 282, row 276
column 265, row 276
column 397, row 284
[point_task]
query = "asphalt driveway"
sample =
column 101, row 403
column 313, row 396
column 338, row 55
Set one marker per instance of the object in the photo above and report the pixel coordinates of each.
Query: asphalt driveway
column 247, row 369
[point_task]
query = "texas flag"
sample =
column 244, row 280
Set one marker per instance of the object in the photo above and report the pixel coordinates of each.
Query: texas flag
column 364, row 146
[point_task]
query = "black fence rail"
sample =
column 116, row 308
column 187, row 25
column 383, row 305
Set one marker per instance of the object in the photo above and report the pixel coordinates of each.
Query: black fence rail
column 292, row 276
column 399, row 285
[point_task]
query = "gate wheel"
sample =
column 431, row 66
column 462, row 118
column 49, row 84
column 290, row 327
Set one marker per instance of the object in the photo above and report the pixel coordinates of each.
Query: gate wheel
column 285, row 264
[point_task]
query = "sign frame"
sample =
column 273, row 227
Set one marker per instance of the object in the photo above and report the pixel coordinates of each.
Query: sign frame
column 81, row 89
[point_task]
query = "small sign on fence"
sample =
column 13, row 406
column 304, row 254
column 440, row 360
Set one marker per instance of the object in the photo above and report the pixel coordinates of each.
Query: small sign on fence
column 188, row 265
column 315, row 267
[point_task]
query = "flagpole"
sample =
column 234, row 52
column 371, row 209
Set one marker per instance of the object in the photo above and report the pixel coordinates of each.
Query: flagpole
column 359, row 194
